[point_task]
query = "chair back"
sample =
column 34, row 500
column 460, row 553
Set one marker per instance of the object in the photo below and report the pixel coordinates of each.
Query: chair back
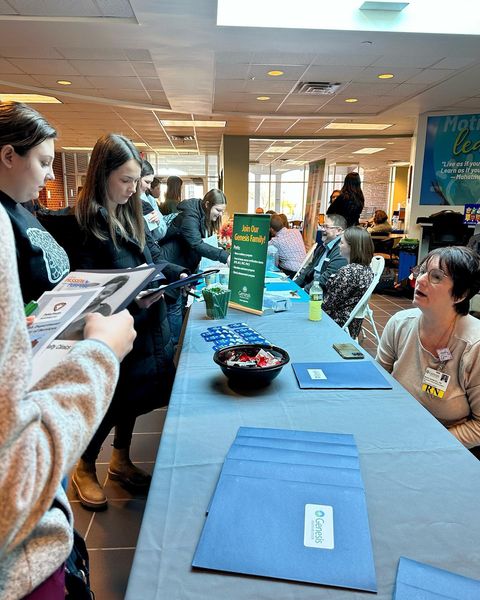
column 306, row 260
column 377, row 265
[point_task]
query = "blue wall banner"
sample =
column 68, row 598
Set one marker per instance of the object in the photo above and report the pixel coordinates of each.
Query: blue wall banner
column 451, row 163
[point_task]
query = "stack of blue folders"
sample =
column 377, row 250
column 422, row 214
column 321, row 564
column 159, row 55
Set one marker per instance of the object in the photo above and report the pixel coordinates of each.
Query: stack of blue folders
column 417, row 581
column 290, row 505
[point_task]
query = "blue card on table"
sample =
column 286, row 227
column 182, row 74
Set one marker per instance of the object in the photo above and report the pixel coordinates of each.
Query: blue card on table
column 418, row 581
column 288, row 530
column 340, row 375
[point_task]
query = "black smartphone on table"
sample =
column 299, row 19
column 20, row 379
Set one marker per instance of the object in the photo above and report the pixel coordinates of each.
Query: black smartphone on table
column 348, row 351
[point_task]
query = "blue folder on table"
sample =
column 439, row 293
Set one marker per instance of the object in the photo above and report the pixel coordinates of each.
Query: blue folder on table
column 288, row 530
column 300, row 445
column 340, row 375
column 319, row 459
column 297, row 434
column 418, row 581
column 293, row 472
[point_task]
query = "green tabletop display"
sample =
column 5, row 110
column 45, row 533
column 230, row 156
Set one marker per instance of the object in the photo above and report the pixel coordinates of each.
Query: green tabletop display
column 247, row 263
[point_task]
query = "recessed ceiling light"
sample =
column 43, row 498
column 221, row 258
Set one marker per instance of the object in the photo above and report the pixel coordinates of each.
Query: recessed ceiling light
column 384, row 5
column 374, row 126
column 29, row 98
column 275, row 73
column 77, row 148
column 351, row 100
column 386, row 76
column 368, row 150
column 64, row 82
column 263, row 98
column 390, row 143
column 175, row 150
column 280, row 149
column 169, row 123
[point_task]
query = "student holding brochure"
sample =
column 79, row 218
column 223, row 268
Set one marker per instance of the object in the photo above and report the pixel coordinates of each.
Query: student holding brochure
column 44, row 429
column 112, row 236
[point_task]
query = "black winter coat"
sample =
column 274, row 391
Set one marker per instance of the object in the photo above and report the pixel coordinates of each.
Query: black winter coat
column 147, row 372
column 183, row 244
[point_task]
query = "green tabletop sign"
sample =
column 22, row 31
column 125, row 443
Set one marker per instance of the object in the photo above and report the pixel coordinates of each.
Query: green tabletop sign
column 247, row 261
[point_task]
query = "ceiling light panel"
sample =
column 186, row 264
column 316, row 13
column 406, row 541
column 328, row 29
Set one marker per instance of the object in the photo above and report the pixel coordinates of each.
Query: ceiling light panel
column 368, row 150
column 29, row 98
column 356, row 126
column 170, row 123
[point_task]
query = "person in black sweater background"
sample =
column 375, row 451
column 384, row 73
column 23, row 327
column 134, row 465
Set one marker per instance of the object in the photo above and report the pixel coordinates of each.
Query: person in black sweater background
column 350, row 202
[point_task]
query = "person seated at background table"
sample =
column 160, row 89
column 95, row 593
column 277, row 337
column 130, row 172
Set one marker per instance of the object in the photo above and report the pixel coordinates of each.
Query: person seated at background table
column 379, row 224
column 333, row 196
column 290, row 246
column 344, row 289
column 350, row 202
column 285, row 220
column 259, row 210
column 326, row 258
column 433, row 349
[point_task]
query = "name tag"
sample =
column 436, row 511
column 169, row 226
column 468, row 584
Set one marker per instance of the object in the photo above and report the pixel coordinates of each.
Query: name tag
column 435, row 382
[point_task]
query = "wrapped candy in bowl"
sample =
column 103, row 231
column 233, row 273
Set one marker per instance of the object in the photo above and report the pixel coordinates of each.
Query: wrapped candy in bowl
column 250, row 365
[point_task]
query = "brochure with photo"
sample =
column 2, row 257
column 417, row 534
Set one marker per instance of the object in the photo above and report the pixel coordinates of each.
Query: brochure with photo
column 105, row 292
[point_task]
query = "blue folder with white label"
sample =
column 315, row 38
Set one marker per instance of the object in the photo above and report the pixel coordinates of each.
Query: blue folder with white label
column 288, row 530
column 290, row 505
column 418, row 581
column 340, row 375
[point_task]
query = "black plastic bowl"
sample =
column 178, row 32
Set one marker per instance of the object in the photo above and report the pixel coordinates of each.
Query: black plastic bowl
column 251, row 376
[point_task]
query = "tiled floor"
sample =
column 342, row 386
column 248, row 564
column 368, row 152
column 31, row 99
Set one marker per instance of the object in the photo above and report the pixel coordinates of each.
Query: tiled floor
column 111, row 535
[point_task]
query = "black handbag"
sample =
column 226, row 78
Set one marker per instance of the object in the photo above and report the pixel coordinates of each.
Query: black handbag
column 77, row 571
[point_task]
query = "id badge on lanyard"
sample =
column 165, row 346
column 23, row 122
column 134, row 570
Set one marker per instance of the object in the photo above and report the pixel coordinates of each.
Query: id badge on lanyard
column 435, row 382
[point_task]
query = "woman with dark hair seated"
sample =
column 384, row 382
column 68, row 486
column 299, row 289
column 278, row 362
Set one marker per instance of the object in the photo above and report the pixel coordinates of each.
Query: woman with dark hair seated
column 432, row 350
column 344, row 289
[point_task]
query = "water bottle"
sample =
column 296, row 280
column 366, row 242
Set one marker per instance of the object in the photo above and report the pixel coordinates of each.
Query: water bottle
column 315, row 302
column 272, row 253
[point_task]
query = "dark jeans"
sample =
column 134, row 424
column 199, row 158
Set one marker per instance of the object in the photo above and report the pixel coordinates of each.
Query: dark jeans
column 52, row 588
column 175, row 314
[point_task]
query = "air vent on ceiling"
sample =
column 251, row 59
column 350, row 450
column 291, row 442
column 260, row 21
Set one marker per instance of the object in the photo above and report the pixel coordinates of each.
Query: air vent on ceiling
column 317, row 88
column 183, row 138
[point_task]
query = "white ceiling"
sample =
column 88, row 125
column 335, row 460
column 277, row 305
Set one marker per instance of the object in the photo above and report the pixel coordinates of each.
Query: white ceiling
column 133, row 63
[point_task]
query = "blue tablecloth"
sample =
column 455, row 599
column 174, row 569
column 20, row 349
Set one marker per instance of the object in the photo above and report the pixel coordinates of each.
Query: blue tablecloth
column 422, row 486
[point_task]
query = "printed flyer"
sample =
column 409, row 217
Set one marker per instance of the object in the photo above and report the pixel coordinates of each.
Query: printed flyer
column 247, row 262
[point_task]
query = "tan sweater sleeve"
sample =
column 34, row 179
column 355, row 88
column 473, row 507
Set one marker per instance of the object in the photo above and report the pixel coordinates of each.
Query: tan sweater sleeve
column 386, row 354
column 44, row 430
column 468, row 433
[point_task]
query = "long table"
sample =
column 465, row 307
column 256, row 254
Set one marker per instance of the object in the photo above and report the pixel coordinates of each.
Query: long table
column 422, row 487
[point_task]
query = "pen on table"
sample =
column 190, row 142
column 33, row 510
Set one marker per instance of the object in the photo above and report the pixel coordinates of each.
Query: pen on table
column 192, row 294
column 30, row 308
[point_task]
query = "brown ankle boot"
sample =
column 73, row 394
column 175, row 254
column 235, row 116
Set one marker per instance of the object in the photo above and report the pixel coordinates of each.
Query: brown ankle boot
column 89, row 491
column 123, row 470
